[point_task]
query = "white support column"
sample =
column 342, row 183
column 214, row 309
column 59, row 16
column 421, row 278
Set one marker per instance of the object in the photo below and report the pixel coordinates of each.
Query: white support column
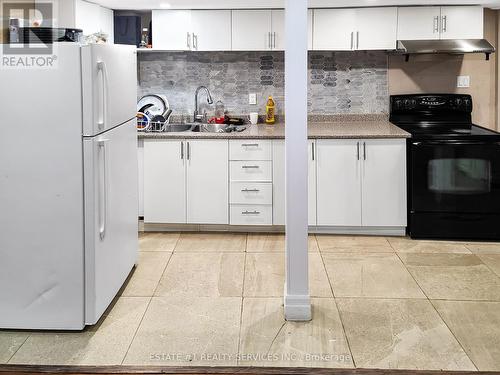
column 297, row 299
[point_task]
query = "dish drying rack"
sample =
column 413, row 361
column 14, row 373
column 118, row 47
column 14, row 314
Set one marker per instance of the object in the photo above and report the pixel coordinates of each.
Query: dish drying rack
column 144, row 124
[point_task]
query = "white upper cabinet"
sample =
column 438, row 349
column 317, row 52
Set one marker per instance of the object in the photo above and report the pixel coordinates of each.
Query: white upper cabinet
column 462, row 22
column 376, row 28
column 355, row 29
column 252, row 30
column 211, row 30
column 447, row 22
column 334, row 29
column 418, row 23
column 172, row 30
column 93, row 18
column 278, row 30
column 192, row 30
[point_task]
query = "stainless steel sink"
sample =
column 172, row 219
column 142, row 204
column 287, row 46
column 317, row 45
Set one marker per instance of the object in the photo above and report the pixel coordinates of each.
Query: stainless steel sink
column 178, row 128
column 210, row 128
column 197, row 127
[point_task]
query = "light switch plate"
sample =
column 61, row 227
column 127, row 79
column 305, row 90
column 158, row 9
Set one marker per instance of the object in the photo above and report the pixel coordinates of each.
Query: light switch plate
column 463, row 81
column 252, row 99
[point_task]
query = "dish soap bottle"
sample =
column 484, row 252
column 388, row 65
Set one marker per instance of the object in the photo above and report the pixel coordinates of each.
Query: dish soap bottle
column 270, row 111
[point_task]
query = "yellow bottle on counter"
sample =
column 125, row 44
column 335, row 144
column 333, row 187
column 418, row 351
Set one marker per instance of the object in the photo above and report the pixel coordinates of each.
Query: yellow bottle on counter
column 270, row 111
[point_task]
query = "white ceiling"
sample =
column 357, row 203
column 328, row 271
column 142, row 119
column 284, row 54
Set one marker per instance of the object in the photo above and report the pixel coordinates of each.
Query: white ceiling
column 235, row 4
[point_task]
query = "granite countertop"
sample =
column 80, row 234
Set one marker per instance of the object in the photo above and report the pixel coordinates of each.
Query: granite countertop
column 318, row 128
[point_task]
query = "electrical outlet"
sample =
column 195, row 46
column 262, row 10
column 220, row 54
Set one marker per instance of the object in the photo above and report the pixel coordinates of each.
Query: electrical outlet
column 463, row 81
column 252, row 99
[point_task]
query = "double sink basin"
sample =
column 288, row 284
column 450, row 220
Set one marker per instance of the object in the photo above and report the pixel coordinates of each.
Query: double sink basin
column 199, row 128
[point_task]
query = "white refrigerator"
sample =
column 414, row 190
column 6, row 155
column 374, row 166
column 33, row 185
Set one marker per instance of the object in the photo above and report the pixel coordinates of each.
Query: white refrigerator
column 68, row 187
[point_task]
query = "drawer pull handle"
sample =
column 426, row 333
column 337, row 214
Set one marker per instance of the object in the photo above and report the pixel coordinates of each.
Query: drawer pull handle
column 250, row 145
column 250, row 167
column 250, row 190
column 250, row 213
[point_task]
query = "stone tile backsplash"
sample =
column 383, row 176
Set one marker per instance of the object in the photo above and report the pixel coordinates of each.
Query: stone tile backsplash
column 339, row 82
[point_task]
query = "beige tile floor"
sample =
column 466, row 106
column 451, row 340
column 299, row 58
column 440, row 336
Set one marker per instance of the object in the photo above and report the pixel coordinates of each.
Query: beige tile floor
column 216, row 299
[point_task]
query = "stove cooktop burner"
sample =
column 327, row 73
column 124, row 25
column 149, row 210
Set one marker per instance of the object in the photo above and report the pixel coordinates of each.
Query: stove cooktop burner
column 450, row 131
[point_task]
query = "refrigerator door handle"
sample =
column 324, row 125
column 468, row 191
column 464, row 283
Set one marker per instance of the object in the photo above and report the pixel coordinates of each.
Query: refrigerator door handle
column 101, row 67
column 103, row 192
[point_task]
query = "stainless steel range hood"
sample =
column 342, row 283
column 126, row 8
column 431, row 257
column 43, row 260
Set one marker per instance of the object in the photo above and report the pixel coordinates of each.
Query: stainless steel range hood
column 449, row 46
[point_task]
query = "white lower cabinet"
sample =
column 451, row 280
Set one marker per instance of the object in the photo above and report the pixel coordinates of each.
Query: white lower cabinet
column 245, row 214
column 251, row 193
column 140, row 160
column 384, row 183
column 251, row 182
column 164, row 182
column 361, row 182
column 339, row 182
column 279, row 187
column 207, row 187
column 186, row 181
column 353, row 183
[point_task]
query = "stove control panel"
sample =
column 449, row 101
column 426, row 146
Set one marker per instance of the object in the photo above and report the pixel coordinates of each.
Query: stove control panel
column 431, row 103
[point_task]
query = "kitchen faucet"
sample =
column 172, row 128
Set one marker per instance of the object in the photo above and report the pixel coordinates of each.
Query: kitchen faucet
column 198, row 117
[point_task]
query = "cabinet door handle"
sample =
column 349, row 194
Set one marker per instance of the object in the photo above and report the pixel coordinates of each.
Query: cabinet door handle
column 188, row 40
column 436, row 24
column 352, row 40
column 247, row 166
column 188, row 151
column 250, row 190
column 274, row 40
column 182, row 150
column 358, row 149
column 364, row 150
column 250, row 213
column 250, row 145
column 195, row 42
column 357, row 39
column 445, row 26
column 313, row 152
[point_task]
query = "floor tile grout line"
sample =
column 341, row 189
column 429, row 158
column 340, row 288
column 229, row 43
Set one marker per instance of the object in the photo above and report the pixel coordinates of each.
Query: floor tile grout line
column 487, row 266
column 412, row 276
column 276, row 336
column 337, row 307
column 243, row 293
column 177, row 242
column 453, row 334
column 438, row 314
column 19, row 348
column 327, row 275
column 163, row 273
column 345, row 332
column 136, row 330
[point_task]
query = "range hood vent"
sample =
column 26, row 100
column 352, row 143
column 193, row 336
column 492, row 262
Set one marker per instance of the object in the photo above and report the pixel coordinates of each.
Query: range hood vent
column 448, row 46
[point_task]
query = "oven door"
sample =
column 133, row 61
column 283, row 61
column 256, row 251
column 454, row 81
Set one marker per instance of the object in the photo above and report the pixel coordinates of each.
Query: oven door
column 455, row 176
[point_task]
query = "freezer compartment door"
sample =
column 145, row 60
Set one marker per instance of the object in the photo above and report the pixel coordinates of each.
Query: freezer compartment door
column 111, row 226
column 109, row 86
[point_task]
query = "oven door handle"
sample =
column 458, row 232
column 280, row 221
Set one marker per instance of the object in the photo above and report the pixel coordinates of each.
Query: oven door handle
column 455, row 143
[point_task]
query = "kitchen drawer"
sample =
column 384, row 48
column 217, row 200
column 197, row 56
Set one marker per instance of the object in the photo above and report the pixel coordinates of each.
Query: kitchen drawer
column 258, row 149
column 251, row 193
column 245, row 214
column 251, row 171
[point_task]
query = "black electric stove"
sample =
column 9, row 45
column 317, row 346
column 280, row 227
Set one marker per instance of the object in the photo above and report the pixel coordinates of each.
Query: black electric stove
column 453, row 168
